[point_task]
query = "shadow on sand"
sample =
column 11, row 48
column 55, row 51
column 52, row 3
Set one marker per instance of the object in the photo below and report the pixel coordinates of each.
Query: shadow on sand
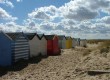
column 57, row 54
column 35, row 60
column 3, row 71
column 21, row 64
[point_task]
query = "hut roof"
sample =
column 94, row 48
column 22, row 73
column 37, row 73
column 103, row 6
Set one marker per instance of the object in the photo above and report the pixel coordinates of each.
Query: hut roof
column 49, row 37
column 13, row 36
column 73, row 38
column 30, row 36
column 68, row 37
column 61, row 37
column 40, row 36
column 78, row 39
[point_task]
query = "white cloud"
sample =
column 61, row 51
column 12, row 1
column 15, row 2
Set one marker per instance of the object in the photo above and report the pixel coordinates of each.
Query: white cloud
column 98, row 30
column 106, row 11
column 44, row 13
column 79, row 10
column 7, row 3
column 32, row 24
column 19, row 0
column 101, row 28
column 80, row 14
column 10, row 27
column 105, row 19
column 47, row 26
column 83, row 9
column 5, row 16
column 39, row 15
column 91, row 4
column 77, row 18
column 13, row 27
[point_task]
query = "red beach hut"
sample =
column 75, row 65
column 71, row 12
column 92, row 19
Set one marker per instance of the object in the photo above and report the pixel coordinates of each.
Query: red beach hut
column 52, row 45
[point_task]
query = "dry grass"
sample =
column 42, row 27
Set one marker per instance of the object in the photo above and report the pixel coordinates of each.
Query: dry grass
column 105, row 44
column 96, row 41
column 86, row 52
column 104, row 47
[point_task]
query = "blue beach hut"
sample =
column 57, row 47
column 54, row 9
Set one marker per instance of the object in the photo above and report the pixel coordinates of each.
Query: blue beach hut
column 13, row 47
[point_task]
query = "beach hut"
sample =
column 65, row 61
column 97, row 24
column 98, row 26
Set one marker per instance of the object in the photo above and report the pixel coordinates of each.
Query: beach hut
column 83, row 42
column 38, row 44
column 34, row 43
column 77, row 41
column 43, row 44
column 13, row 47
column 52, row 45
column 68, row 42
column 62, row 41
column 73, row 42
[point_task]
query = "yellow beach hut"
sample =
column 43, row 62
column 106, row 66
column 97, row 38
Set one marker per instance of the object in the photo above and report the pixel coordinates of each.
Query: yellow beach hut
column 68, row 42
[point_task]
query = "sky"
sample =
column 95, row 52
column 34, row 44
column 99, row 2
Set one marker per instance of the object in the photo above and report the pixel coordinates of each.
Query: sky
column 86, row 19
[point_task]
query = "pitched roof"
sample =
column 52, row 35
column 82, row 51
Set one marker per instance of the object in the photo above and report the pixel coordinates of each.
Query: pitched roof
column 73, row 38
column 61, row 37
column 49, row 37
column 67, row 37
column 30, row 36
column 78, row 39
column 40, row 36
column 13, row 36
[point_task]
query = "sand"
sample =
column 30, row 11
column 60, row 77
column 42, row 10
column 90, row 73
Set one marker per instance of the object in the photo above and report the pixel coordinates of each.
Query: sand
column 72, row 64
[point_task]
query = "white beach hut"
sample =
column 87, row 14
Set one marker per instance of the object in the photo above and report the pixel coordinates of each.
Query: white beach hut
column 83, row 42
column 62, row 41
column 34, row 43
column 43, row 44
column 77, row 41
column 74, row 42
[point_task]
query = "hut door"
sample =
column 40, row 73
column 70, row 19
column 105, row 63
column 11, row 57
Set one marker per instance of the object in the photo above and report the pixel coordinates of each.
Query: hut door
column 49, row 46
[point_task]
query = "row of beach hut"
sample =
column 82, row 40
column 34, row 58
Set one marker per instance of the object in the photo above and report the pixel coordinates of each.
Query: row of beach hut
column 16, row 46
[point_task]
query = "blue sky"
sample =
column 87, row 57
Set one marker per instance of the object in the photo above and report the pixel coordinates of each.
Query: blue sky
column 77, row 18
column 26, row 6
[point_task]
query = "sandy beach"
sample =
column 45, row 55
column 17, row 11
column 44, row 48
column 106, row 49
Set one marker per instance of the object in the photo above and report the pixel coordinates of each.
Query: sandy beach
column 72, row 64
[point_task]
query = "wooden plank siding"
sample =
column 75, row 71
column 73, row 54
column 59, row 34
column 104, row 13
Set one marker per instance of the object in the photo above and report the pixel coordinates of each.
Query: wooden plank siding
column 73, row 42
column 62, row 41
column 83, row 43
column 43, row 46
column 67, row 44
column 64, row 44
column 20, row 48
